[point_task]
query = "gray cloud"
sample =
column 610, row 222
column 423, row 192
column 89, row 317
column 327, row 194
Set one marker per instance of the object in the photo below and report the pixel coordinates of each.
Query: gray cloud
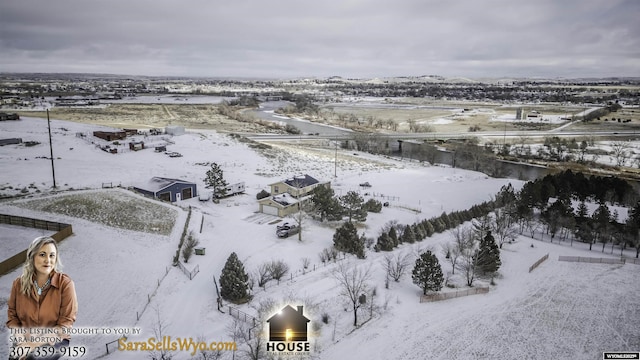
column 354, row 38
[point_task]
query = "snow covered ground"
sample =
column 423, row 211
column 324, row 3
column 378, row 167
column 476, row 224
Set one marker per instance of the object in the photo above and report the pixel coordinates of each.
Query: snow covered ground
column 124, row 277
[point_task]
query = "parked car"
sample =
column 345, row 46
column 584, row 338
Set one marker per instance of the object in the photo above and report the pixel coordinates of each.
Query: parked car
column 365, row 184
column 286, row 229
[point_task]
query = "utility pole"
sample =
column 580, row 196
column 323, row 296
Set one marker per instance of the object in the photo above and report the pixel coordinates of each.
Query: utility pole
column 53, row 169
column 335, row 162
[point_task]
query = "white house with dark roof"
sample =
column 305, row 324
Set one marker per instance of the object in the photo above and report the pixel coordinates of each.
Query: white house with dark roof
column 286, row 194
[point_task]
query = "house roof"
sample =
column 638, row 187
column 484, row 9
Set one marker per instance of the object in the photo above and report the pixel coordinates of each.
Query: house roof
column 284, row 199
column 289, row 312
column 301, row 181
column 157, row 183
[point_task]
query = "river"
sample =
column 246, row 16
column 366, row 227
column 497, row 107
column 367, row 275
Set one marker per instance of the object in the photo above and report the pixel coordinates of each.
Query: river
column 267, row 112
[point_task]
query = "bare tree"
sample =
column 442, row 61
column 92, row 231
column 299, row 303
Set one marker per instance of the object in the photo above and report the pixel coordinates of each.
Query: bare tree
column 503, row 226
column 263, row 274
column 466, row 244
column 208, row 354
column 620, row 152
column 482, row 225
column 277, row 269
column 248, row 339
column 160, row 330
column 396, row 266
column 353, row 282
column 305, row 263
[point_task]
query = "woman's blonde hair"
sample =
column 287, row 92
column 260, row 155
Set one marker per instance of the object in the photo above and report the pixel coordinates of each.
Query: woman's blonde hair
column 28, row 270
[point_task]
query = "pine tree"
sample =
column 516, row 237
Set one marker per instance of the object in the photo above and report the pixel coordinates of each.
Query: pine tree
column 428, row 228
column 393, row 235
column 408, row 235
column 346, row 239
column 427, row 273
column 353, row 205
column 385, row 243
column 233, row 280
column 488, row 256
column 215, row 180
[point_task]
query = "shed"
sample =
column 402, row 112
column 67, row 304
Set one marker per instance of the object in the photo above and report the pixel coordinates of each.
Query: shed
column 168, row 189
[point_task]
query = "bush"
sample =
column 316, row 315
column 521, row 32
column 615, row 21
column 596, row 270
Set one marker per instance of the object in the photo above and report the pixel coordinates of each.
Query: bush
column 373, row 205
column 292, row 129
column 325, row 318
column 262, row 194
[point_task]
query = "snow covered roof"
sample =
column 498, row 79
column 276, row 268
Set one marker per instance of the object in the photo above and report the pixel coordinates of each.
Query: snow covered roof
column 301, row 181
column 157, row 183
column 284, row 199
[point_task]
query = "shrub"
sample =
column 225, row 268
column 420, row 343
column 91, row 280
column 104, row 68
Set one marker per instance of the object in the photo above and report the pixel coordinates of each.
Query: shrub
column 262, row 194
column 373, row 205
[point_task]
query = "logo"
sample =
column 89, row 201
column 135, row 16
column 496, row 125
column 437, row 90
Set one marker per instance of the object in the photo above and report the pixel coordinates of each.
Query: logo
column 288, row 334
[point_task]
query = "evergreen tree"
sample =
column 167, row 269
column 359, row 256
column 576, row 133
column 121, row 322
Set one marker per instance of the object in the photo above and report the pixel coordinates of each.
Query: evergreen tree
column 326, row 204
column 346, row 239
column 582, row 212
column 438, row 225
column 427, row 273
column 234, row 280
column 488, row 256
column 393, row 235
column 408, row 235
column 353, row 205
column 373, row 205
column 215, row 180
column 419, row 231
column 428, row 228
column 385, row 243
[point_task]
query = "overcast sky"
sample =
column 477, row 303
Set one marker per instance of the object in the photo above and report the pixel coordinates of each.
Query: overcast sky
column 299, row 38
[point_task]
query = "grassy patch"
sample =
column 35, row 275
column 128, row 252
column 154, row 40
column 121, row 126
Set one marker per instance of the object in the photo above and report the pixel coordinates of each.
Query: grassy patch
column 111, row 208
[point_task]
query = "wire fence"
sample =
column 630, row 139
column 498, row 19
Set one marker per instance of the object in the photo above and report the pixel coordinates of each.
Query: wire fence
column 293, row 275
column 190, row 274
column 593, row 260
column 537, row 263
column 150, row 296
column 243, row 316
column 453, row 294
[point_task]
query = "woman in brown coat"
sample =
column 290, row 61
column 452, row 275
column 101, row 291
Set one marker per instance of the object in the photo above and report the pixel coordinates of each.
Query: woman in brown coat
column 43, row 298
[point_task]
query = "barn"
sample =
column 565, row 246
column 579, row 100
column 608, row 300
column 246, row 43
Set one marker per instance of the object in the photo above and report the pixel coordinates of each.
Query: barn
column 168, row 189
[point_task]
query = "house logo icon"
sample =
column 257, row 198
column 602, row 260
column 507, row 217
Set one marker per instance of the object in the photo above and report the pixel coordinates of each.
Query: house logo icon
column 288, row 325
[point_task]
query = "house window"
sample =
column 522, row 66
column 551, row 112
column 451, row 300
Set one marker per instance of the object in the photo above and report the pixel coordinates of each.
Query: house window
column 275, row 190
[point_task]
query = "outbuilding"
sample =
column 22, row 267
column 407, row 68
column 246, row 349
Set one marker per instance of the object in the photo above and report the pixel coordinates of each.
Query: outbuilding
column 168, row 189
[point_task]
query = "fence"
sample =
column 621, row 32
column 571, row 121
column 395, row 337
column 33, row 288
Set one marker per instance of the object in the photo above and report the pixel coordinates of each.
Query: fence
column 190, row 274
column 635, row 261
column 63, row 231
column 453, row 294
column 535, row 265
column 301, row 272
column 591, row 260
column 241, row 315
column 150, row 296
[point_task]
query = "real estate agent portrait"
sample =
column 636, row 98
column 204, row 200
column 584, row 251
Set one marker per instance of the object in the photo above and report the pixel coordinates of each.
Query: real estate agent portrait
column 43, row 297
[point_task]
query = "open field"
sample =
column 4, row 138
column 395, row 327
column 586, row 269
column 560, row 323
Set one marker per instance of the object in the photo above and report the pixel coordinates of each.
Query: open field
column 146, row 116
